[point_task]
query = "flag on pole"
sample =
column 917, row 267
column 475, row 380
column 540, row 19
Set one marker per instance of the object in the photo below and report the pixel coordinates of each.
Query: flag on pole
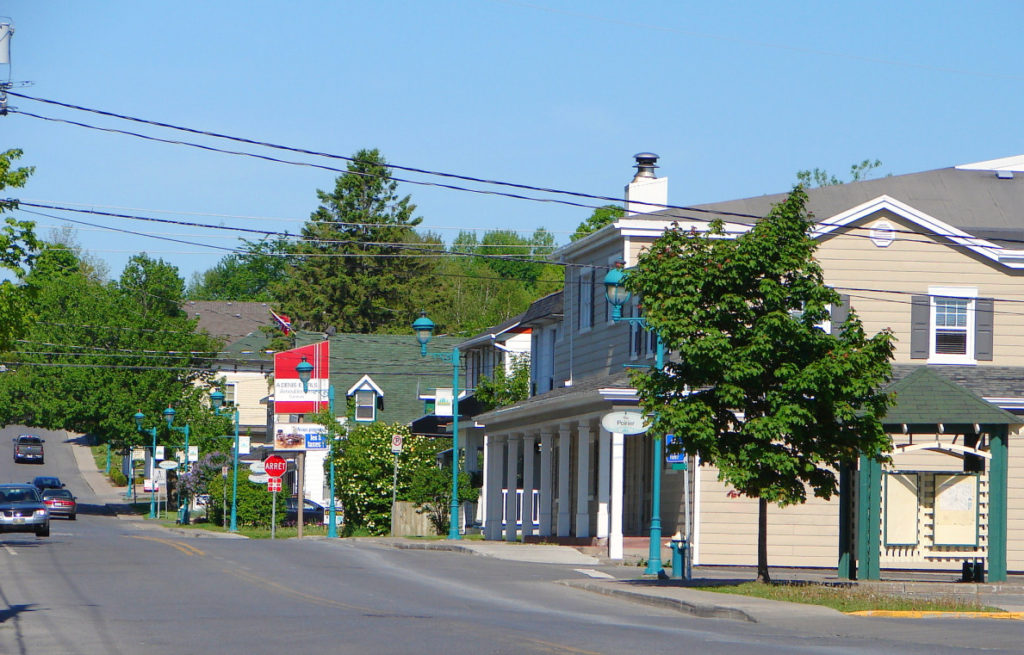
column 283, row 322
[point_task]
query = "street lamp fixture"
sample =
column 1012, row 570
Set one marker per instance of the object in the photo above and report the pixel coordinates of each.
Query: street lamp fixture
column 169, row 413
column 217, row 400
column 305, row 371
column 424, row 329
column 617, row 295
column 139, row 418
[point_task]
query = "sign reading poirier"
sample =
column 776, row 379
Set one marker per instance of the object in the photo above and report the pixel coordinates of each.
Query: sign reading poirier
column 275, row 466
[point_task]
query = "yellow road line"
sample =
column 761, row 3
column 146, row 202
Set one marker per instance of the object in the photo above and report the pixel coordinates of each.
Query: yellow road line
column 187, row 549
column 917, row 614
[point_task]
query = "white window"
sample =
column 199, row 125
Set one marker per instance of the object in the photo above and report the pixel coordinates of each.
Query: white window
column 366, row 396
column 952, row 326
column 585, row 295
column 230, row 393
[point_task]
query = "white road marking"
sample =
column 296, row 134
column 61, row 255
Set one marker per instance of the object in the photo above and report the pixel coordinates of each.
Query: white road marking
column 593, row 573
column 10, row 550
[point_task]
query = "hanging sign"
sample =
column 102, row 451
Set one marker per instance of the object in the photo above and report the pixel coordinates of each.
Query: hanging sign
column 244, row 445
column 159, row 452
column 443, row 402
column 624, row 422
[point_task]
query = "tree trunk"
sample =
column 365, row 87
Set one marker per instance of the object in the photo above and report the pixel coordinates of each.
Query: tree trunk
column 762, row 541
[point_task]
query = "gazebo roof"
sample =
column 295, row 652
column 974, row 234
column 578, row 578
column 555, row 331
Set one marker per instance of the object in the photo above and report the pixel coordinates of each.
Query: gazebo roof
column 926, row 398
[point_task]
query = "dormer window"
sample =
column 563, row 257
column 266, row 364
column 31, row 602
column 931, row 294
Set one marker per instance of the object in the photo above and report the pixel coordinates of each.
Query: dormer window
column 368, row 398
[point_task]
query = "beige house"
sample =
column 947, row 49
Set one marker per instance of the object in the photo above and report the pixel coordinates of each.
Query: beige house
column 935, row 256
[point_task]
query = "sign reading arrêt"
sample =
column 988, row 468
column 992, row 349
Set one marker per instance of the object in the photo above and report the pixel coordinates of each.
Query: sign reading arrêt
column 275, row 466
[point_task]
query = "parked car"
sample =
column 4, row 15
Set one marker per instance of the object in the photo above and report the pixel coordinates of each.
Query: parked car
column 44, row 482
column 22, row 510
column 61, row 502
column 28, row 448
column 312, row 512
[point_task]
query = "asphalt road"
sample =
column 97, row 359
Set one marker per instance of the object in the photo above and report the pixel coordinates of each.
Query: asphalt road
column 112, row 586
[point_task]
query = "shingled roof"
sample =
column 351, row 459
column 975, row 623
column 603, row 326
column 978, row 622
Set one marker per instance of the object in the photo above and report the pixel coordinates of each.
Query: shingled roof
column 227, row 319
column 924, row 397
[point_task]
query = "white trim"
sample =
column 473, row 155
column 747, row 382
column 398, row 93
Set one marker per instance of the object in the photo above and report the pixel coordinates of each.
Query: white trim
column 1014, row 163
column 365, row 382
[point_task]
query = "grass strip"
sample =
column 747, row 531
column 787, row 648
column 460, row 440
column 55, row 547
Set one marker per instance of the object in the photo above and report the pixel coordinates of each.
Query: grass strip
column 849, row 598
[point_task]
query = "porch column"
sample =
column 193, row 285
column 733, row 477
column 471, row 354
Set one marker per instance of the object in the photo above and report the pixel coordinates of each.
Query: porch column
column 997, row 499
column 604, row 441
column 511, row 484
column 529, row 446
column 615, row 524
column 583, row 480
column 495, row 467
column 547, row 439
column 564, row 448
column 869, row 512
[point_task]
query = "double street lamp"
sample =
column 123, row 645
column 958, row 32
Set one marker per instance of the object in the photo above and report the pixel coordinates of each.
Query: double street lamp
column 169, row 417
column 617, row 295
column 217, row 400
column 305, row 371
column 139, row 417
column 424, row 329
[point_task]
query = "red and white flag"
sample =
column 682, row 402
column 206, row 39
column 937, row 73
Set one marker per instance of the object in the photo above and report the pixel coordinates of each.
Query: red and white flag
column 283, row 322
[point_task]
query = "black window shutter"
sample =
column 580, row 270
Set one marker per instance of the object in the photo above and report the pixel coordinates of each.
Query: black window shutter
column 920, row 326
column 984, row 319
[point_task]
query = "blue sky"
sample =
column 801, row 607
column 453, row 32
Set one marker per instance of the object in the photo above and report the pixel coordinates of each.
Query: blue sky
column 734, row 96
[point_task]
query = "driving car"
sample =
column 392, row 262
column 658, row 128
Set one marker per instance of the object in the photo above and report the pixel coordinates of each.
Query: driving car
column 22, row 510
column 312, row 512
column 28, row 448
column 61, row 502
column 44, row 482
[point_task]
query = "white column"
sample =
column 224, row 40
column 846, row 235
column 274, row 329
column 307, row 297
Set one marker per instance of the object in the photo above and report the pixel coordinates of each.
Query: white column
column 615, row 528
column 583, row 474
column 512, row 472
column 495, row 465
column 604, row 442
column 564, row 447
column 529, row 445
column 547, row 439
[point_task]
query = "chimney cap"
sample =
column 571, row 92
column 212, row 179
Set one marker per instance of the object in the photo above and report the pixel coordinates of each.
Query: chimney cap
column 646, row 158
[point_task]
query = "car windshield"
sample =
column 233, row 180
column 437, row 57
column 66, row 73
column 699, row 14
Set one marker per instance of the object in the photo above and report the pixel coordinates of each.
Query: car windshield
column 17, row 495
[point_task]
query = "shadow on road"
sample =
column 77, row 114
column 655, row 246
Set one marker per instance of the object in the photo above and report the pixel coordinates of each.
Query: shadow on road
column 14, row 610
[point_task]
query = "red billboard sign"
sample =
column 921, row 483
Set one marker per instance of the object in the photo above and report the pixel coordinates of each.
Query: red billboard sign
column 289, row 396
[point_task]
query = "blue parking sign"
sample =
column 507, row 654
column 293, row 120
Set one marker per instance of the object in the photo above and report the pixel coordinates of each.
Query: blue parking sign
column 674, row 457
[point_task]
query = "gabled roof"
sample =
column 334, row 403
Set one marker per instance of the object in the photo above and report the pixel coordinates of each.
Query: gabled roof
column 228, row 320
column 394, row 363
column 548, row 307
column 924, row 397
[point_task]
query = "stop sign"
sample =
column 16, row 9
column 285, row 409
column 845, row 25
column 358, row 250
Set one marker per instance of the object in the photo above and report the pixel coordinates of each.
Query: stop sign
column 275, row 466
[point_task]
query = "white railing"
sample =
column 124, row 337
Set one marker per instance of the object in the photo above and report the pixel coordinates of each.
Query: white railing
column 519, row 507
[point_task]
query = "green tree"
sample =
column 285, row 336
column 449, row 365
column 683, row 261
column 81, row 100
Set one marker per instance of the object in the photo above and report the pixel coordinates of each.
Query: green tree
column 247, row 276
column 356, row 267
column 602, row 216
column 18, row 246
column 505, row 388
column 97, row 353
column 364, row 465
column 430, row 490
column 755, row 387
column 820, row 177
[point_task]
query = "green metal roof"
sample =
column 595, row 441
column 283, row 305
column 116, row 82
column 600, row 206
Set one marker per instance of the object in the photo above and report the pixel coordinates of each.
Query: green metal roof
column 394, row 364
column 926, row 398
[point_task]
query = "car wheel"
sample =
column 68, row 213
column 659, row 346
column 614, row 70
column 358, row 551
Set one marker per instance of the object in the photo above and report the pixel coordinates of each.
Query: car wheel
column 44, row 531
column 73, row 517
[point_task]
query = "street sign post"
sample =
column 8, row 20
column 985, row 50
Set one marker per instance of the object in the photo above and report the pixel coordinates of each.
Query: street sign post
column 275, row 466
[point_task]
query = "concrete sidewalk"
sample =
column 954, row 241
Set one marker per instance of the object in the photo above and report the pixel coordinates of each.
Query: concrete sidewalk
column 628, row 582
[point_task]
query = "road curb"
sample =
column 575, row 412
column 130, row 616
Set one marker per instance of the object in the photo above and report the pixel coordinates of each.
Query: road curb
column 701, row 610
column 907, row 614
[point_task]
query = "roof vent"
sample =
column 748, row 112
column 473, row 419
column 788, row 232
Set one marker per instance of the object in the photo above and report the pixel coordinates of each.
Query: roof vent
column 1004, row 175
column 646, row 162
column 647, row 192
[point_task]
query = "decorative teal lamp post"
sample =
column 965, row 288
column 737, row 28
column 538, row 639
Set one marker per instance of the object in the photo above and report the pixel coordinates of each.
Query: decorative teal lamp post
column 139, row 417
column 617, row 295
column 424, row 329
column 217, row 400
column 305, row 371
column 183, row 514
